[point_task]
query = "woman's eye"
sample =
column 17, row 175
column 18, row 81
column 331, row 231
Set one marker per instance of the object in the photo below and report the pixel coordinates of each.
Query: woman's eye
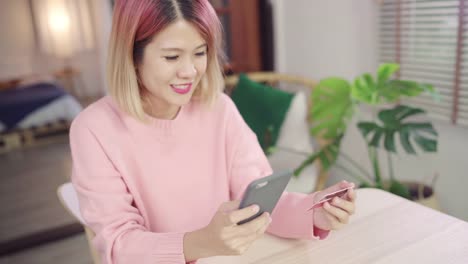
column 171, row 58
column 199, row 54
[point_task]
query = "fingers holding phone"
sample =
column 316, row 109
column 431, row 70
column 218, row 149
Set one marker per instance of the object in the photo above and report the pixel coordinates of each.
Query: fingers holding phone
column 236, row 225
column 253, row 228
column 237, row 215
column 223, row 236
column 247, row 233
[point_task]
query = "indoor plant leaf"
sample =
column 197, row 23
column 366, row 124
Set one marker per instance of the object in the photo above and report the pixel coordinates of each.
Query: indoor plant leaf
column 385, row 71
column 408, row 88
column 427, row 144
column 327, row 156
column 384, row 90
column 424, row 127
column 405, row 141
column 367, row 127
column 392, row 117
column 393, row 122
column 332, row 108
column 399, row 189
column 389, row 140
column 375, row 140
column 364, row 89
column 393, row 90
column 334, row 102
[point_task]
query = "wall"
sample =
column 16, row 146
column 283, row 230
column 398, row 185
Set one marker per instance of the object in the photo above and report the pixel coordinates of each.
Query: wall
column 102, row 14
column 21, row 55
column 318, row 39
column 17, row 41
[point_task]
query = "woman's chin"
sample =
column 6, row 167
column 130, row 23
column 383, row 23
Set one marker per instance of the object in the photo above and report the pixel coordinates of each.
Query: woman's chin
column 181, row 100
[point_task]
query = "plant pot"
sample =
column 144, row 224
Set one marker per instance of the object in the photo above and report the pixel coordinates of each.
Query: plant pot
column 423, row 194
column 420, row 193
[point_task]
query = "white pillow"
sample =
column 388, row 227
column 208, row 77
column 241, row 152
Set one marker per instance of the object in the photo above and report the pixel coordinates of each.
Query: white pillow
column 294, row 132
column 293, row 146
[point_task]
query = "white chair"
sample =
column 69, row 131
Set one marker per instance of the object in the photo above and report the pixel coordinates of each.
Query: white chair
column 67, row 196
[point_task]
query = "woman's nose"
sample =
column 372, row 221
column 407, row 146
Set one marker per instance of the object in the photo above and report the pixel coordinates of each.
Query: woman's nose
column 187, row 71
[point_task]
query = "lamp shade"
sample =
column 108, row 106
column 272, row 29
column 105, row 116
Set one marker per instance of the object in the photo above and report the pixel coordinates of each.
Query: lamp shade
column 63, row 27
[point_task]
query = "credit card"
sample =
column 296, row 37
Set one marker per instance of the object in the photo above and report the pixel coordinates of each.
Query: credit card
column 340, row 193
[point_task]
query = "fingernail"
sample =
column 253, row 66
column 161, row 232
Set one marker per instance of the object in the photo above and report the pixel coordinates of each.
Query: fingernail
column 336, row 201
column 270, row 220
column 255, row 208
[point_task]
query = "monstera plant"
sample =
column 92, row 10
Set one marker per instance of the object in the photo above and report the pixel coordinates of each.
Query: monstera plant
column 336, row 101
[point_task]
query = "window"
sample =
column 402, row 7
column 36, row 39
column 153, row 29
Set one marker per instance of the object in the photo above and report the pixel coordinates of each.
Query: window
column 429, row 39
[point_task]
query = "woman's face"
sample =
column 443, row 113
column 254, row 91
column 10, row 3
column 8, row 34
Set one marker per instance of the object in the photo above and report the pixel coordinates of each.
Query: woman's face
column 173, row 64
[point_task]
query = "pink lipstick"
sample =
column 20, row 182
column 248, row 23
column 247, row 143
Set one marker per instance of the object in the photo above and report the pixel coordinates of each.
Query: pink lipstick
column 181, row 88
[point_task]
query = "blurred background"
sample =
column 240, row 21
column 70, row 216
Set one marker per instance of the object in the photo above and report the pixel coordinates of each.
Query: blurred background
column 52, row 65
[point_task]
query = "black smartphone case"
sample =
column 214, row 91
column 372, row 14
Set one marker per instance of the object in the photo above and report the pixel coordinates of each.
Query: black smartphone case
column 265, row 192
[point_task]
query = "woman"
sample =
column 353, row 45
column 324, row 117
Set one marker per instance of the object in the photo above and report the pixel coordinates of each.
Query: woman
column 160, row 164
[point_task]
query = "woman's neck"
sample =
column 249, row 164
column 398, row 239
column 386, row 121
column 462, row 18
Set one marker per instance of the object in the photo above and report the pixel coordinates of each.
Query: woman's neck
column 161, row 110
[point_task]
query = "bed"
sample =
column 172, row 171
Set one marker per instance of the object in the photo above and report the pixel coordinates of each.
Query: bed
column 30, row 112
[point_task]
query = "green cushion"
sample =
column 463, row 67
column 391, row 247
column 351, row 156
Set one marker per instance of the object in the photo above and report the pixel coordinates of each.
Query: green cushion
column 262, row 107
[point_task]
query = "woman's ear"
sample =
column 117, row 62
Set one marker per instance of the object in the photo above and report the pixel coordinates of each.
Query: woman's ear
column 137, row 73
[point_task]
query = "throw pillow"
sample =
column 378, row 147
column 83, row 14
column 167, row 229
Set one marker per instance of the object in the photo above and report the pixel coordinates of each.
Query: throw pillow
column 294, row 145
column 262, row 107
column 294, row 133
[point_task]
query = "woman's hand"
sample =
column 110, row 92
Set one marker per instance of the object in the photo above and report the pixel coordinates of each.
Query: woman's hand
column 335, row 213
column 223, row 236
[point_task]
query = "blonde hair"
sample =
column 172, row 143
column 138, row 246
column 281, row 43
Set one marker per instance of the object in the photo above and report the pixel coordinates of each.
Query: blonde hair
column 134, row 24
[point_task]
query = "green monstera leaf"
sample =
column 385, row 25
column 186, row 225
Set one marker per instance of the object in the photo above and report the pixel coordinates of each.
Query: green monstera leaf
column 393, row 123
column 385, row 71
column 393, row 90
column 332, row 108
column 364, row 89
column 385, row 90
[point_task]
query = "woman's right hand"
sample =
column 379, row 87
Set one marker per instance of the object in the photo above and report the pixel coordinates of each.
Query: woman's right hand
column 222, row 236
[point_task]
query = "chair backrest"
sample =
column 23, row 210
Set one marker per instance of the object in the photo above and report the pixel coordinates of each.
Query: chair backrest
column 67, row 196
column 272, row 78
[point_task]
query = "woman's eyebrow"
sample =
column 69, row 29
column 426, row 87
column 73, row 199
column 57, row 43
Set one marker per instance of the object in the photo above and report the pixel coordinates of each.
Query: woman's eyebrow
column 179, row 49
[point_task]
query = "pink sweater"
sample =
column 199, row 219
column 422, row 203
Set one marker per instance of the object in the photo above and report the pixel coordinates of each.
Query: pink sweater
column 141, row 187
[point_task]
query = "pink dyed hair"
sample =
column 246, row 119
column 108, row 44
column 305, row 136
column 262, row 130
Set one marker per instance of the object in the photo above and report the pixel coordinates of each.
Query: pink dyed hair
column 135, row 23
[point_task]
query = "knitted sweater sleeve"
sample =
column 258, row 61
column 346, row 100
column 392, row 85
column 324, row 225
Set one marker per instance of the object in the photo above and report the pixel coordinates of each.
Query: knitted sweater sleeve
column 247, row 163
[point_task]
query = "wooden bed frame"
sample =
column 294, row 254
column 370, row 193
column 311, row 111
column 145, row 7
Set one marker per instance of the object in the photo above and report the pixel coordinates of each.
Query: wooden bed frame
column 39, row 135
column 45, row 134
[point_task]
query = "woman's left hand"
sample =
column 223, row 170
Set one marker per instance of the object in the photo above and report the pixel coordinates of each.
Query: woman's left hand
column 335, row 213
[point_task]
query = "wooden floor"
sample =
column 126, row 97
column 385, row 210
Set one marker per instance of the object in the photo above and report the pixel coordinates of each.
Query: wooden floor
column 29, row 179
column 72, row 250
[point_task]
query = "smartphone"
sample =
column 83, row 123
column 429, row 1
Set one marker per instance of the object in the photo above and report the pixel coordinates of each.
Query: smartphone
column 340, row 193
column 265, row 192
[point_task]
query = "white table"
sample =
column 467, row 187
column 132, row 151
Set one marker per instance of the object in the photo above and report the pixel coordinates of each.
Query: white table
column 385, row 229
